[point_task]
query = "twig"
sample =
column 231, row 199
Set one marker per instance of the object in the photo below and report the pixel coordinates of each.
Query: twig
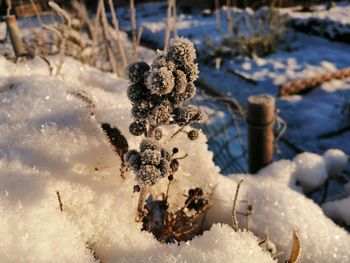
column 174, row 18
column 133, row 28
column 217, row 15
column 36, row 12
column 141, row 203
column 116, row 28
column 9, row 7
column 233, row 72
column 229, row 18
column 167, row 26
column 235, row 224
column 59, row 200
column 109, row 49
column 334, row 133
column 64, row 35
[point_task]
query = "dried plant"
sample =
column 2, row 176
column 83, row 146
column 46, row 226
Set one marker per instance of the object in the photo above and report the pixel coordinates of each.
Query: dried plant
column 159, row 94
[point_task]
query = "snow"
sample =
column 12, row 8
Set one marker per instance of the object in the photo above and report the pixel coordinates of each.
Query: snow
column 278, row 210
column 338, row 210
column 310, row 171
column 50, row 143
column 336, row 161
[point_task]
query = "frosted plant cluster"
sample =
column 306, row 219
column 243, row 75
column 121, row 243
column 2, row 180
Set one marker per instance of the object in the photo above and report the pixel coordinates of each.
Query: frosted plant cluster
column 159, row 94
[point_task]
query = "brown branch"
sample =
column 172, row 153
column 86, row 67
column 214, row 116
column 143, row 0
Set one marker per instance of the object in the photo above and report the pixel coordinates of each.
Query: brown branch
column 59, row 200
column 235, row 224
column 117, row 30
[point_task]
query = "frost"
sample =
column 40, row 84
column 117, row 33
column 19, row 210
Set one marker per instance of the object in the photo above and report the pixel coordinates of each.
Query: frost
column 310, row 170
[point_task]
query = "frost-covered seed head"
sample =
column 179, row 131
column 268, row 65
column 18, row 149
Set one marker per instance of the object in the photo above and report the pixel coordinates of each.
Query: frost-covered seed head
column 149, row 144
column 181, row 116
column 150, row 157
column 164, row 168
column 141, row 110
column 158, row 134
column 162, row 61
column 179, row 99
column 148, row 175
column 198, row 117
column 165, row 154
column 174, row 165
column 137, row 128
column 133, row 158
column 191, row 71
column 182, row 51
column 137, row 71
column 129, row 154
column 160, row 81
column 180, row 82
column 193, row 135
column 161, row 114
column 138, row 92
column 190, row 91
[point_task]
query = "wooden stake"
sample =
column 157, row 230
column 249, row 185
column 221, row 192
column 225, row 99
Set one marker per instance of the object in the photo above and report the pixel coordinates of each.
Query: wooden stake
column 13, row 30
column 260, row 120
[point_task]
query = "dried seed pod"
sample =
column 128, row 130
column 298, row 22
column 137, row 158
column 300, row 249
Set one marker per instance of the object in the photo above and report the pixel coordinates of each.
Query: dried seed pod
column 141, row 110
column 164, row 168
column 182, row 51
column 133, row 158
column 160, row 81
column 193, row 135
column 148, row 175
column 180, row 82
column 150, row 157
column 162, row 61
column 165, row 154
column 191, row 71
column 181, row 116
column 137, row 128
column 161, row 114
column 137, row 71
column 136, row 189
column 174, row 165
column 138, row 92
column 157, row 134
column 149, row 144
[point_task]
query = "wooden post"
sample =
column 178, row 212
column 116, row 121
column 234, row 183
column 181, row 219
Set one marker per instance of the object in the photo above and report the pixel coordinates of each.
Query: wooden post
column 12, row 28
column 260, row 120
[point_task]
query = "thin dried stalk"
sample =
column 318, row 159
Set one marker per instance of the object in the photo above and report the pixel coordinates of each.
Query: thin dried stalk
column 9, row 7
column 116, row 28
column 82, row 14
column 174, row 18
column 167, row 26
column 235, row 224
column 229, row 18
column 133, row 28
column 59, row 200
column 106, row 36
column 64, row 34
column 217, row 15
column 141, row 203
column 36, row 12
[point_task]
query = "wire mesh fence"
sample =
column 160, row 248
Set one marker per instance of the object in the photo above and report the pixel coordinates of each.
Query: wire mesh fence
column 226, row 132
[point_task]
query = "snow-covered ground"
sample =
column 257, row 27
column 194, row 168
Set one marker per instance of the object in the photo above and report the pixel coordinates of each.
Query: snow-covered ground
column 51, row 145
column 49, row 142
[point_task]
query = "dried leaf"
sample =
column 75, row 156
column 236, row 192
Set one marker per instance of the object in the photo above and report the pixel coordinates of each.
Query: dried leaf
column 86, row 97
column 116, row 139
column 296, row 248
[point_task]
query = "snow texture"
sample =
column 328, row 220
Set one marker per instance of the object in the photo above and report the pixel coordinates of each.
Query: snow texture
column 338, row 210
column 277, row 211
column 50, row 143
